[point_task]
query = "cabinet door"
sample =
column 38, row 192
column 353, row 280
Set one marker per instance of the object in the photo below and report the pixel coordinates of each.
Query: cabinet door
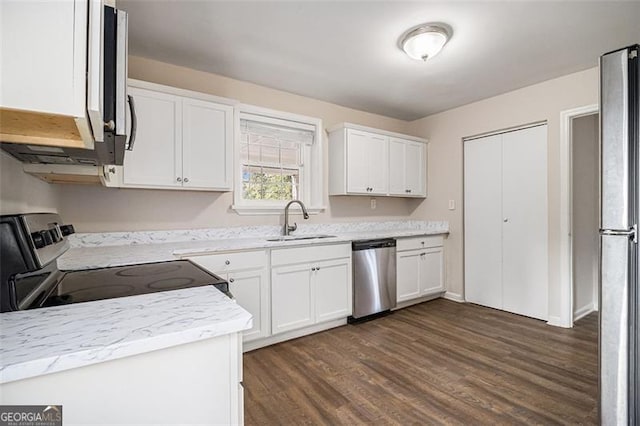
column 483, row 221
column 378, row 167
column 250, row 289
column 524, row 230
column 397, row 174
column 332, row 289
column 415, row 166
column 358, row 145
column 206, row 144
column 291, row 298
column 409, row 264
column 43, row 51
column 431, row 271
column 156, row 160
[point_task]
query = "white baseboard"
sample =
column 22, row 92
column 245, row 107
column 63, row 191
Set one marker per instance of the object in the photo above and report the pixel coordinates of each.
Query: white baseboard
column 557, row 322
column 454, row 296
column 583, row 312
column 407, row 303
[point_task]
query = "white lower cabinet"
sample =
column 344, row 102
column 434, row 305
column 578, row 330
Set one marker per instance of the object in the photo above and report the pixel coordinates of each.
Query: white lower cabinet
column 291, row 303
column 420, row 271
column 248, row 278
column 314, row 287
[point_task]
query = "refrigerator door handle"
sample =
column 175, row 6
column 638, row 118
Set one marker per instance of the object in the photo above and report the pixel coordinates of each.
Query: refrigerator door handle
column 631, row 233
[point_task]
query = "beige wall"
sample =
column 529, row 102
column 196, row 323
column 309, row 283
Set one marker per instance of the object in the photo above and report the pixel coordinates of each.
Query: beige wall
column 102, row 209
column 585, row 212
column 445, row 131
column 23, row 193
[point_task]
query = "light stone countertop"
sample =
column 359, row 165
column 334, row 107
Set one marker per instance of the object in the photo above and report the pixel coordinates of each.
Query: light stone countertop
column 48, row 340
column 102, row 256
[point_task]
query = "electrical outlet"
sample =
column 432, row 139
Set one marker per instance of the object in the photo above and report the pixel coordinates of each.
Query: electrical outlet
column 452, row 204
column 373, row 204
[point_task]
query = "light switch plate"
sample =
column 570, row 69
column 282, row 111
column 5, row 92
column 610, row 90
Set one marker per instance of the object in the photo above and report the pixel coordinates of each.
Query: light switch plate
column 452, row 204
column 373, row 204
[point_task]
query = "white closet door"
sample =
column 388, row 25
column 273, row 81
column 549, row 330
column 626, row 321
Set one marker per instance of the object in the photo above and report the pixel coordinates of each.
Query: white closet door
column 483, row 221
column 524, row 237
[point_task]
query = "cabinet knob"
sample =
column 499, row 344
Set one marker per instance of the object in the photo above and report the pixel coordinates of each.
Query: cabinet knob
column 227, row 262
column 505, row 220
column 231, row 280
column 186, row 180
column 179, row 179
column 313, row 269
column 317, row 269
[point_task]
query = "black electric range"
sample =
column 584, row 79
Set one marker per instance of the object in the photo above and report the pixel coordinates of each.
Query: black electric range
column 29, row 246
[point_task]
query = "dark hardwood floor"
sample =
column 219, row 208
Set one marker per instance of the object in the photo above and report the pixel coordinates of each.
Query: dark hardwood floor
column 439, row 362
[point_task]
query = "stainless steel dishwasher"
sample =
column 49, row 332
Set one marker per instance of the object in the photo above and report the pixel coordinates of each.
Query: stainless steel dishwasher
column 374, row 278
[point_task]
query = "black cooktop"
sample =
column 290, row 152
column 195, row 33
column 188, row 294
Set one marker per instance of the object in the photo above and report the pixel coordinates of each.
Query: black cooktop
column 121, row 281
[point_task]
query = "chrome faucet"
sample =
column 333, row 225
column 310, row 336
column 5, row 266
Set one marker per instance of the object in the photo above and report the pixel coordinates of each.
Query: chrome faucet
column 288, row 229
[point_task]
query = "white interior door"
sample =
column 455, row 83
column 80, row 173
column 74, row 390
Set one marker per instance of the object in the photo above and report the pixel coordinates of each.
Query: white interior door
column 483, row 221
column 206, row 154
column 524, row 236
column 156, row 159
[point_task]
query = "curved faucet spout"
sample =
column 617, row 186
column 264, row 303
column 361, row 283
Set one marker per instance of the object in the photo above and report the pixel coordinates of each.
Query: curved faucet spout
column 288, row 229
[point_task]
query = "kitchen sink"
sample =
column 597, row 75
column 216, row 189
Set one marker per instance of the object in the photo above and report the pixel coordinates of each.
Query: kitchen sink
column 299, row 237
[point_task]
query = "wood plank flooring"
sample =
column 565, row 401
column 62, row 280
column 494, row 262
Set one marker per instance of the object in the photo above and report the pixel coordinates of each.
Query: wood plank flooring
column 439, row 362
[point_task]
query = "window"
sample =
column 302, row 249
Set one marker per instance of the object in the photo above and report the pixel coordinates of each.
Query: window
column 278, row 156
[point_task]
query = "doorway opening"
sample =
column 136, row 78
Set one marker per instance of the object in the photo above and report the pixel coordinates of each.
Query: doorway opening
column 580, row 139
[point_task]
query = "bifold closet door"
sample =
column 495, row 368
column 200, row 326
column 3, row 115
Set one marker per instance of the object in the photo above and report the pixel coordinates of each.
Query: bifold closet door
column 483, row 221
column 505, row 221
column 524, row 233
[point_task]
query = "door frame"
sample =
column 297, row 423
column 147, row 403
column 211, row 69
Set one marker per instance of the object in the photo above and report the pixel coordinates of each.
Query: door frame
column 566, row 250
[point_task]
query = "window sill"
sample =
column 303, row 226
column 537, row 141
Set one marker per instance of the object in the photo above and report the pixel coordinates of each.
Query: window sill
column 272, row 210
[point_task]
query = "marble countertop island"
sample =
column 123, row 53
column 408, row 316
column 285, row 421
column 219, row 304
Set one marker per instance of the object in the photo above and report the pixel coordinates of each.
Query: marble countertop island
column 49, row 340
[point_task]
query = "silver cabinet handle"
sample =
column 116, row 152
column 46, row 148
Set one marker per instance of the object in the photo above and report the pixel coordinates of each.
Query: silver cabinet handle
column 227, row 262
column 186, row 180
column 179, row 179
column 505, row 220
column 231, row 280
column 134, row 123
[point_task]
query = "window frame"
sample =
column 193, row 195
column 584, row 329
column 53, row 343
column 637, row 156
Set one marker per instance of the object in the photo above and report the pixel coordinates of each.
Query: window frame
column 311, row 175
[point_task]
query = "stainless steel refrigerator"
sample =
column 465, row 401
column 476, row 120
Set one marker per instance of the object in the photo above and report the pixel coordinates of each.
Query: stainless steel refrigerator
column 620, row 185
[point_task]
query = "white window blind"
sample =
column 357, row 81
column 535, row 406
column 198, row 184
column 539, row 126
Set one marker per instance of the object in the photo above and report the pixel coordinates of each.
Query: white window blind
column 272, row 157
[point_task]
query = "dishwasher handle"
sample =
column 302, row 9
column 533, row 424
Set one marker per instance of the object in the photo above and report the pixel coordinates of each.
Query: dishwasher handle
column 373, row 244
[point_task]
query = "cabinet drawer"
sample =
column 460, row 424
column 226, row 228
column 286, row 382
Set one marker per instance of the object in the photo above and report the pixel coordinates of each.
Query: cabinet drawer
column 416, row 243
column 231, row 261
column 309, row 254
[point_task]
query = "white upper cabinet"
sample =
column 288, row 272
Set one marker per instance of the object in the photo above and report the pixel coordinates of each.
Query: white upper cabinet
column 407, row 166
column 156, row 160
column 48, row 53
column 205, row 153
column 366, row 161
column 184, row 140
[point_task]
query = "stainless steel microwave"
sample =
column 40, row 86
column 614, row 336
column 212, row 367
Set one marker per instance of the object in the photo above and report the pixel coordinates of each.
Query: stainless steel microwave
column 114, row 132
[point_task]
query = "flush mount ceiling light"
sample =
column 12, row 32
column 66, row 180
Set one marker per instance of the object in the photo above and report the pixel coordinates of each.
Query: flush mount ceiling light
column 425, row 41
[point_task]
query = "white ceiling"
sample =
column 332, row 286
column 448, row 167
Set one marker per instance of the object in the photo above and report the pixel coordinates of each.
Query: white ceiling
column 346, row 52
